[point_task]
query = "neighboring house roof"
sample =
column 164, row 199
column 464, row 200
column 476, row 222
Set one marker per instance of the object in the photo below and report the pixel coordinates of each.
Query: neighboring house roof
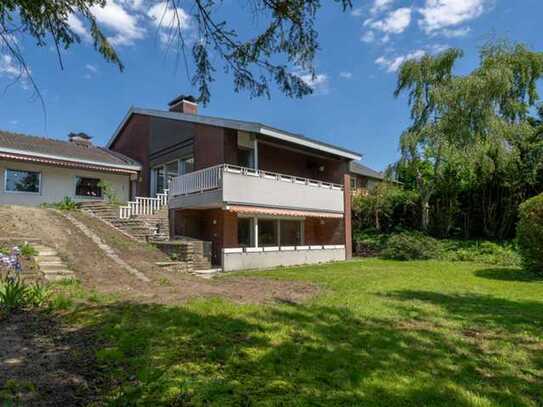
column 360, row 169
column 52, row 151
column 252, row 127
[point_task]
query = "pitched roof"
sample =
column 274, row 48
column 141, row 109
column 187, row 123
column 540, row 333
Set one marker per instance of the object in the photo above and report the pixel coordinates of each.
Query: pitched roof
column 360, row 169
column 252, row 127
column 52, row 149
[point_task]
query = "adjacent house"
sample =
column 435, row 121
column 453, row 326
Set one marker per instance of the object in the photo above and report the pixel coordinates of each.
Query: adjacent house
column 363, row 178
column 262, row 196
column 37, row 170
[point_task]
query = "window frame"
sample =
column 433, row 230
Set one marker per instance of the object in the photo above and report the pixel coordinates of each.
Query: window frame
column 40, row 189
column 87, row 196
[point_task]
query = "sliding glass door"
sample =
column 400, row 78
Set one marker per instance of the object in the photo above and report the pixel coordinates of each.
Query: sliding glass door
column 162, row 174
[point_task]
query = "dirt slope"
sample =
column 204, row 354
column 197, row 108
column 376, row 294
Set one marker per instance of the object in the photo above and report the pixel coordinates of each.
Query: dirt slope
column 96, row 271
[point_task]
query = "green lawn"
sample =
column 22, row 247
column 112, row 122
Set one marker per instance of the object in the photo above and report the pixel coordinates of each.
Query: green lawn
column 380, row 333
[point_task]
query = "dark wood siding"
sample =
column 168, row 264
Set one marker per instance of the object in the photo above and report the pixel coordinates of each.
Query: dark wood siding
column 133, row 141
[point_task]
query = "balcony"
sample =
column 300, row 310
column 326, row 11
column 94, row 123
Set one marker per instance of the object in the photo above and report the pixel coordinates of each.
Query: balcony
column 227, row 184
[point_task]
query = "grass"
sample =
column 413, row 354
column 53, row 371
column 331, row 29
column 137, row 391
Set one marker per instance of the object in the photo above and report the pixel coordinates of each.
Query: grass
column 381, row 333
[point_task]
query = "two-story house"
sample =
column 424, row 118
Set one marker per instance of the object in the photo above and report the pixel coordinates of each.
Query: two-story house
column 263, row 196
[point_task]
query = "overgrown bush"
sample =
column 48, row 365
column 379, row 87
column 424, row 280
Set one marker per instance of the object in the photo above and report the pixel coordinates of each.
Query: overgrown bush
column 412, row 246
column 67, row 204
column 385, row 208
column 482, row 252
column 27, row 250
column 530, row 234
column 15, row 294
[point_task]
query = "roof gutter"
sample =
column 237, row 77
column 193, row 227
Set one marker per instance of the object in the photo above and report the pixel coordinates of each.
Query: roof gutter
column 22, row 154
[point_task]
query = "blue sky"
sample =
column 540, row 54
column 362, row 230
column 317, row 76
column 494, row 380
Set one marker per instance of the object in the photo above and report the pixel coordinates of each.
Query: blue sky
column 352, row 106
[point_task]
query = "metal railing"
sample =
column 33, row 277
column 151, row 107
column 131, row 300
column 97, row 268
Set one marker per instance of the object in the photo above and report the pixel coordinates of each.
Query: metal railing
column 211, row 178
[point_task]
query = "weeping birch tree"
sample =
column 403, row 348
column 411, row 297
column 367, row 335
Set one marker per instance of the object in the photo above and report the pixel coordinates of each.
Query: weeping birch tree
column 456, row 118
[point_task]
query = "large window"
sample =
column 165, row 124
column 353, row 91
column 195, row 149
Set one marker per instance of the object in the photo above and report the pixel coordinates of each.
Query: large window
column 22, row 181
column 245, row 232
column 246, row 157
column 187, row 165
column 267, row 232
column 162, row 174
column 88, row 187
column 291, row 232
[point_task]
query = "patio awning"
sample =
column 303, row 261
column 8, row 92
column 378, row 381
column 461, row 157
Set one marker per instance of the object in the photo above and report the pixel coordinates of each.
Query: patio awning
column 255, row 210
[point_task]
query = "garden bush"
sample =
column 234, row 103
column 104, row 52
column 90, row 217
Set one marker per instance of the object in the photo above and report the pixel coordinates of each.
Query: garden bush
column 412, row 246
column 530, row 234
column 15, row 294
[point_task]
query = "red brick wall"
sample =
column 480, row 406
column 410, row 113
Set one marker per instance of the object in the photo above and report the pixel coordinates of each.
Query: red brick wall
column 133, row 141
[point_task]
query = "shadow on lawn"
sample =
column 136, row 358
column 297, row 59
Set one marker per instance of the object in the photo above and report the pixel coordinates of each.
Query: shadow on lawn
column 508, row 274
column 304, row 355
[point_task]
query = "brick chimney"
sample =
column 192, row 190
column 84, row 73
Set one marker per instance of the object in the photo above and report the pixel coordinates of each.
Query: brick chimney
column 81, row 139
column 184, row 104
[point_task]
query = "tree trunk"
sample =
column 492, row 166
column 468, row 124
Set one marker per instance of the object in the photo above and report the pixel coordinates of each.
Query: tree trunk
column 425, row 214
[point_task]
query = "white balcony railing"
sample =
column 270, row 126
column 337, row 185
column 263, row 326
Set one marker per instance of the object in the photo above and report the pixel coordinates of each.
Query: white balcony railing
column 197, row 181
column 211, row 178
column 144, row 206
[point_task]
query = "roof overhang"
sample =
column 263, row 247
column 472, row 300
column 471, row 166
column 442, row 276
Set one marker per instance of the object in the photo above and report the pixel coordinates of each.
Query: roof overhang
column 257, row 210
column 20, row 155
column 250, row 127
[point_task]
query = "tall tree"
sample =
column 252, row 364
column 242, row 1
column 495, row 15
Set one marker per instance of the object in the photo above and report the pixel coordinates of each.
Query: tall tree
column 456, row 118
column 287, row 42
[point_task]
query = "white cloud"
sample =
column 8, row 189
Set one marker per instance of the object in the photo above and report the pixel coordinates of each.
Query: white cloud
column 165, row 16
column 168, row 20
column 357, row 12
column 380, row 5
column 91, row 68
column 394, row 63
column 125, row 26
column 394, row 23
column 454, row 33
column 318, row 82
column 77, row 26
column 9, row 67
column 368, row 37
column 346, row 75
column 441, row 14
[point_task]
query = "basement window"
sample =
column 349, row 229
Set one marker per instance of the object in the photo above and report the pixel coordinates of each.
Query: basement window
column 88, row 187
column 22, row 181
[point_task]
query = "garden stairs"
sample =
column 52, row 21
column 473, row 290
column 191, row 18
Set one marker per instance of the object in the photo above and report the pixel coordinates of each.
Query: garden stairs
column 152, row 226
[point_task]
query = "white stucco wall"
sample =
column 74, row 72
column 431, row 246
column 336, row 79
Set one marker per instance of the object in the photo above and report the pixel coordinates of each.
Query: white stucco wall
column 56, row 183
column 268, row 259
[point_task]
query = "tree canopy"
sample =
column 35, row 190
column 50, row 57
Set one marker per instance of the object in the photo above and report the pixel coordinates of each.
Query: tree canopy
column 474, row 148
column 285, row 46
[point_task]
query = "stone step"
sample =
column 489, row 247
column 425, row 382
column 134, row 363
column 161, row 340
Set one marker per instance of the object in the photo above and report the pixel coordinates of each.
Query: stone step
column 49, row 258
column 58, row 277
column 60, row 271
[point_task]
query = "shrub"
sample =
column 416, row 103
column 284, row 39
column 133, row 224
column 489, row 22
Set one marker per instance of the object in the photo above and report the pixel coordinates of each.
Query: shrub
column 13, row 294
column 530, row 233
column 27, row 250
column 482, row 252
column 412, row 246
column 67, row 204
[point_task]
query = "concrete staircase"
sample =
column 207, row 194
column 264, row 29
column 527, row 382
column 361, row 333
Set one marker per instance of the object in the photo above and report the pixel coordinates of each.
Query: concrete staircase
column 143, row 227
column 197, row 253
column 154, row 228
column 51, row 265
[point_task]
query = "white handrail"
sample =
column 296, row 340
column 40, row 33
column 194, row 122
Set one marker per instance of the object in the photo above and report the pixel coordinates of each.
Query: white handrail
column 144, row 205
column 211, row 178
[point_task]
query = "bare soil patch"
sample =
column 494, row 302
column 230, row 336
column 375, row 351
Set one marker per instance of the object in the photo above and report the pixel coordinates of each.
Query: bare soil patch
column 97, row 272
column 44, row 363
